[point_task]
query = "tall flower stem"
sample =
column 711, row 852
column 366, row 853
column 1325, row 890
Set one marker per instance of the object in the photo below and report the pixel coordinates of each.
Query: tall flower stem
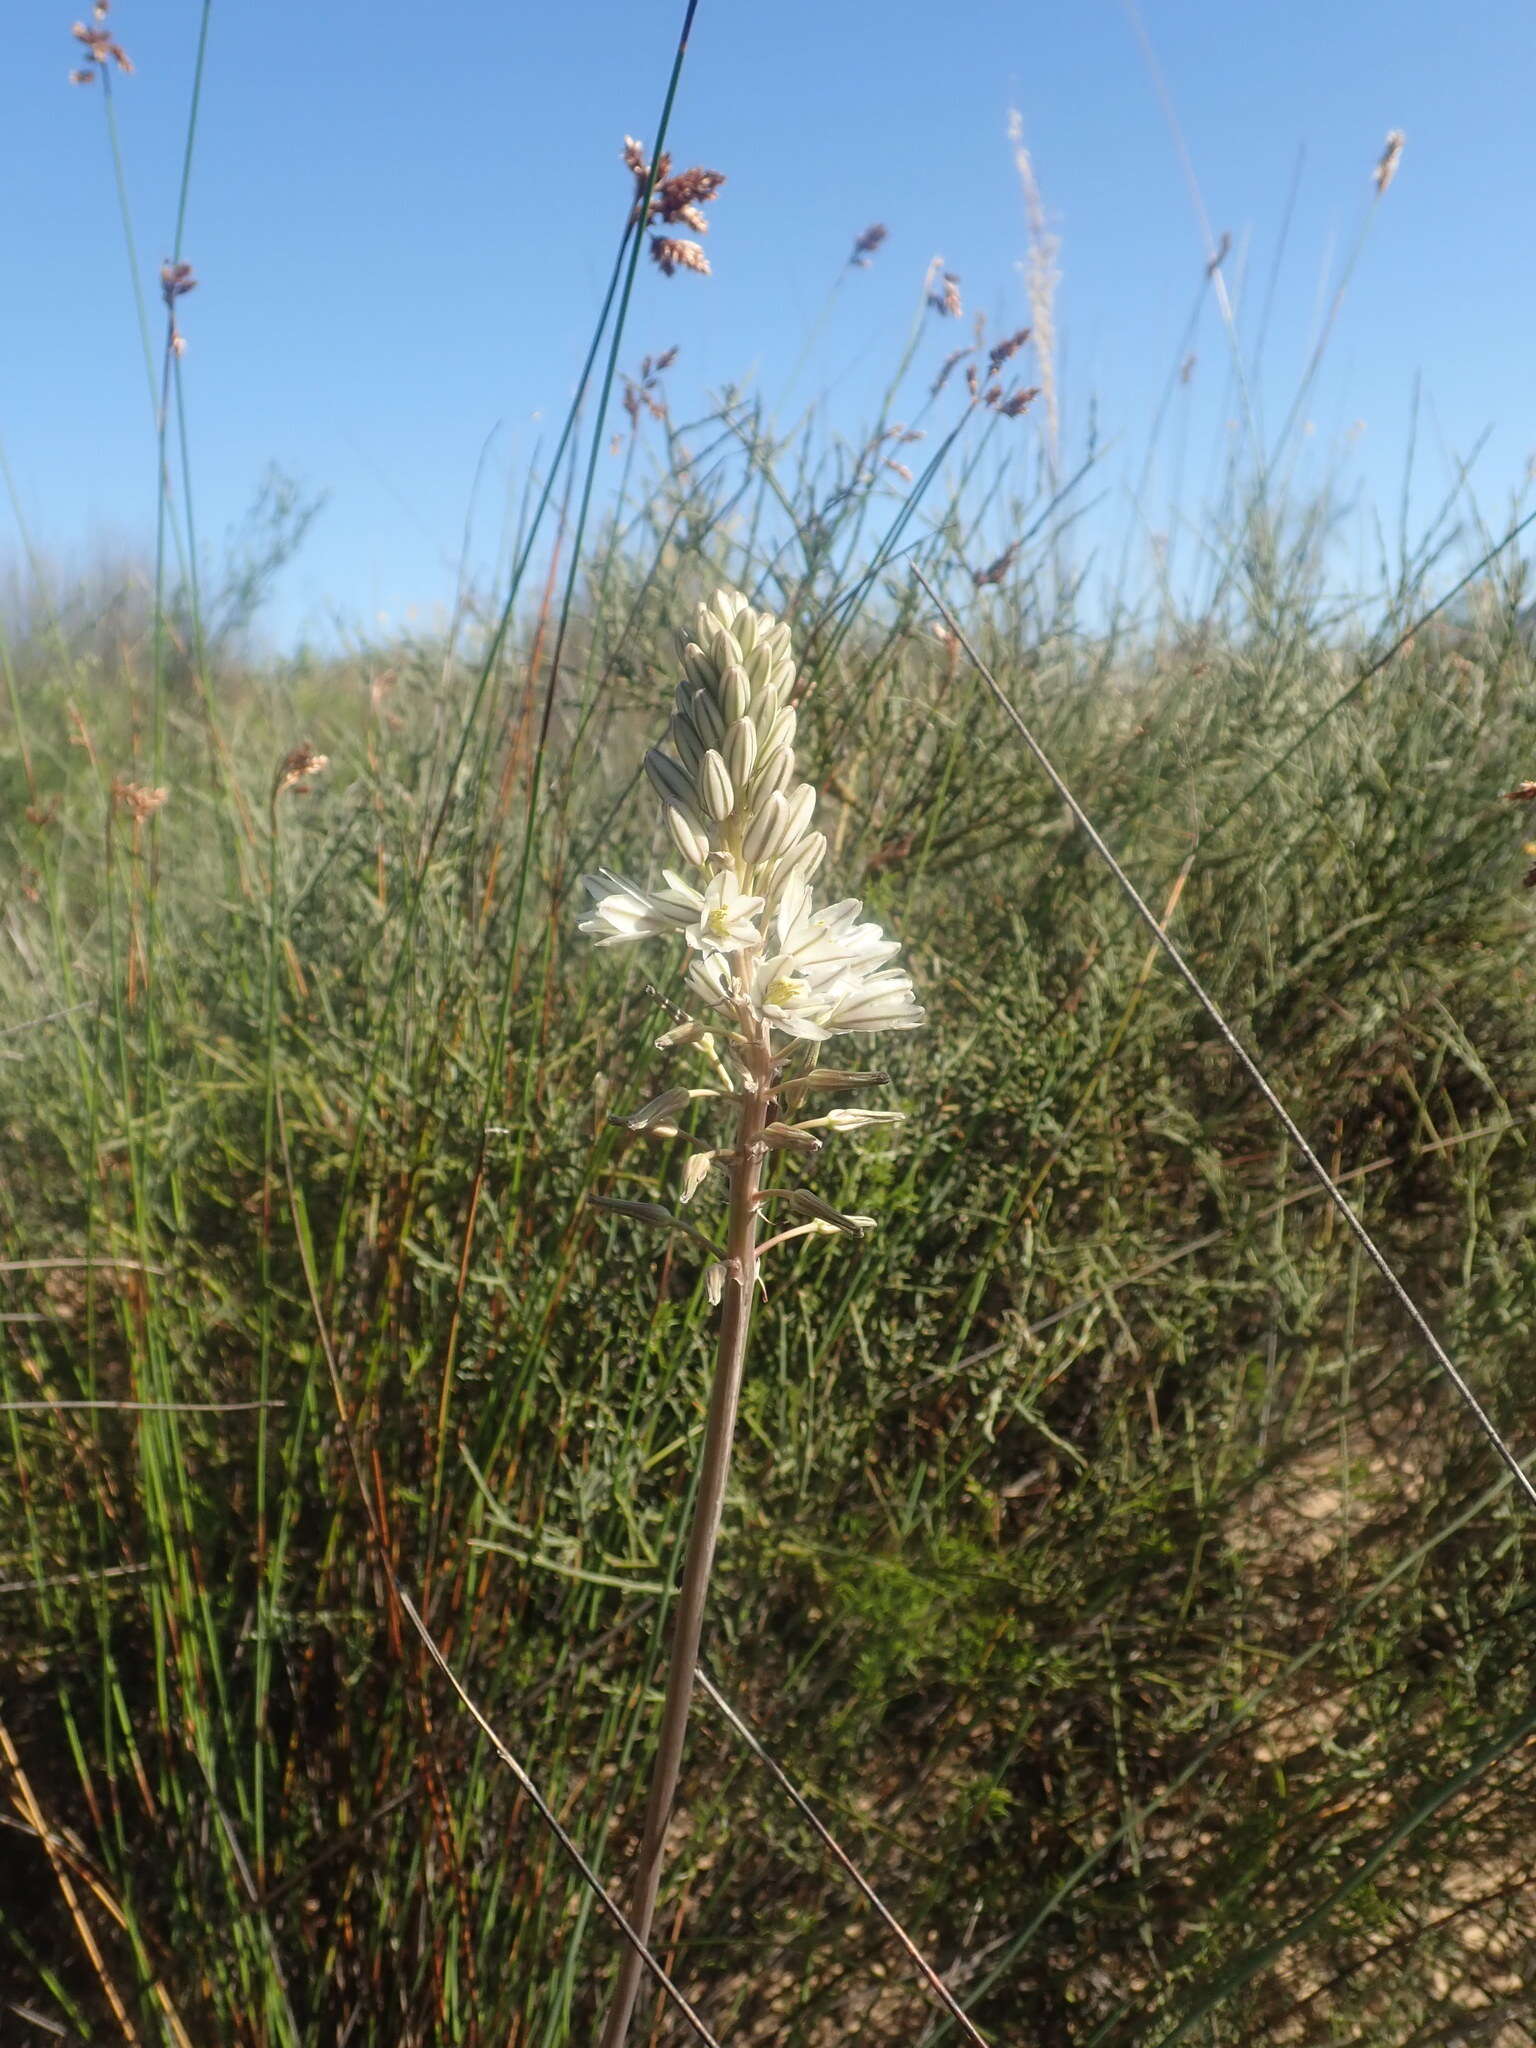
column 688, row 1622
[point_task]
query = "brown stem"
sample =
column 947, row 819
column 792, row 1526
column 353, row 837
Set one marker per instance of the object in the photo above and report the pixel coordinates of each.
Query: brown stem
column 688, row 1622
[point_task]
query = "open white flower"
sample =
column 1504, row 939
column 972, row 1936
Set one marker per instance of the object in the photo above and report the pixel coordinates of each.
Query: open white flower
column 726, row 919
column 622, row 911
column 760, row 948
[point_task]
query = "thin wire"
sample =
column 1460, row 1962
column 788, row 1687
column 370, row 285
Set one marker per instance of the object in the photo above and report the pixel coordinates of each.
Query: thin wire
column 1245, row 1059
column 139, row 1407
column 931, row 1977
column 547, row 1814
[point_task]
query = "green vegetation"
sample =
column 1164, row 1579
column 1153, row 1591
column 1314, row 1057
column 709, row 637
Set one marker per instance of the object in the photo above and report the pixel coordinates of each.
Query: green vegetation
column 1146, row 1619
column 1101, row 1551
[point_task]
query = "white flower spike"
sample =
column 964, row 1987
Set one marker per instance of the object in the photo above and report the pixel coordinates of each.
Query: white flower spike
column 777, row 975
column 760, row 951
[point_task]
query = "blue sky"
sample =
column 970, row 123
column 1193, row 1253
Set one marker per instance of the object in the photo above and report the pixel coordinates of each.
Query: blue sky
column 401, row 219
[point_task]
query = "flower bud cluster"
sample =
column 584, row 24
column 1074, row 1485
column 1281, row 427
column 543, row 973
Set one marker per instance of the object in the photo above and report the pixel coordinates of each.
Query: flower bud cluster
column 728, row 788
column 759, row 949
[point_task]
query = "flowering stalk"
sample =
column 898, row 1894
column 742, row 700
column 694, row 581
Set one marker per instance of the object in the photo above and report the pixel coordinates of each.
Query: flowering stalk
column 776, row 977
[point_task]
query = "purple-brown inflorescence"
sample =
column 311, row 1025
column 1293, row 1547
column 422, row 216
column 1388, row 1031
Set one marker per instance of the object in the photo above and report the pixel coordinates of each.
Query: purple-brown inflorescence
column 101, row 47
column 676, row 198
column 946, row 300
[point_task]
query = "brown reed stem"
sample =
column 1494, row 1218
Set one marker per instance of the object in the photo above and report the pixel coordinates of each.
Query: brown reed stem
column 688, row 1622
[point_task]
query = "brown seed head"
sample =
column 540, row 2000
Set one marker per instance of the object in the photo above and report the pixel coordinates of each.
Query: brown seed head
column 1018, row 401
column 946, row 300
column 300, row 761
column 100, row 46
column 669, row 255
column 139, row 801
column 1009, row 346
column 176, row 280
column 866, row 245
column 958, row 356
column 681, row 197
column 996, row 571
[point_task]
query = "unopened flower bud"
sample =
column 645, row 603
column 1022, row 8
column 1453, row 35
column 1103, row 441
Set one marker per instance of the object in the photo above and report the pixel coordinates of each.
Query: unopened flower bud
column 859, row 1119
column 803, row 862
column 735, row 693
column 759, row 666
column 773, row 771
column 721, row 648
column 740, row 750
column 669, row 781
column 688, row 834
column 685, row 737
column 715, row 790
column 695, row 1172
column 700, row 669
column 765, row 836
column 706, row 716
column 801, row 806
column 780, row 729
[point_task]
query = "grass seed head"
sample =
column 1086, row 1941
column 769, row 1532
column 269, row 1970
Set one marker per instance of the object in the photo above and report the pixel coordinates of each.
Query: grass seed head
column 1387, row 163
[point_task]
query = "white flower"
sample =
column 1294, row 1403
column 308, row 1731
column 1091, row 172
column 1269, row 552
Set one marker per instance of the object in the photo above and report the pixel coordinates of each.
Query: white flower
column 759, row 948
column 623, row 911
column 725, row 920
column 875, row 1002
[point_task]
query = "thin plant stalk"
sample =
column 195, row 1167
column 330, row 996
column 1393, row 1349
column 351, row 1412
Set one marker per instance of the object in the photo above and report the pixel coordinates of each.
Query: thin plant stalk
column 780, row 978
column 693, row 1592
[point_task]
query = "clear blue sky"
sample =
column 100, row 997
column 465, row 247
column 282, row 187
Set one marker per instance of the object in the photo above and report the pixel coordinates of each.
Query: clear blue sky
column 401, row 218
